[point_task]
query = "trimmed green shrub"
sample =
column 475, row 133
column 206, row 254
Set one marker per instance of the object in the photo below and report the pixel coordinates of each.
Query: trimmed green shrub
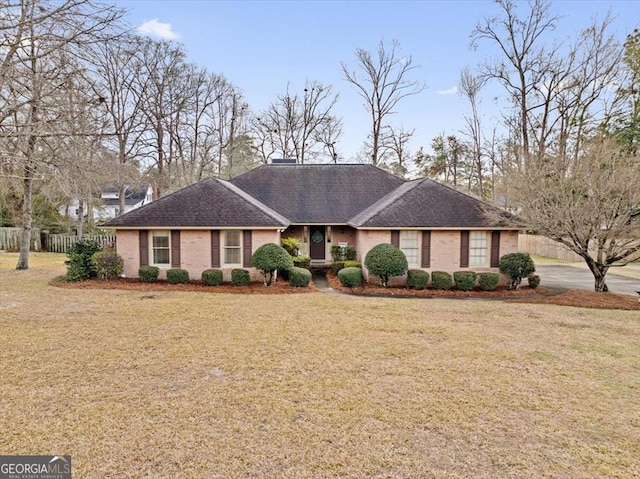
column 149, row 274
column 302, row 262
column 79, row 264
column 350, row 277
column 417, row 279
column 385, row 260
column 299, row 277
column 336, row 266
column 534, row 281
column 343, row 253
column 108, row 264
column 517, row 266
column 269, row 258
column 352, row 264
column 212, row 277
column 240, row 277
column 465, row 280
column 177, row 276
column 349, row 253
column 441, row 280
column 488, row 281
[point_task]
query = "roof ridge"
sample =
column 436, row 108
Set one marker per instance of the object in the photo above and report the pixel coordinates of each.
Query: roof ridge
column 254, row 201
column 385, row 201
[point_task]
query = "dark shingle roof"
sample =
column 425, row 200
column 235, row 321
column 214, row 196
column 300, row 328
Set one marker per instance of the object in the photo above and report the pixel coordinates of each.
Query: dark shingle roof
column 317, row 193
column 207, row 203
column 133, row 196
column 428, row 204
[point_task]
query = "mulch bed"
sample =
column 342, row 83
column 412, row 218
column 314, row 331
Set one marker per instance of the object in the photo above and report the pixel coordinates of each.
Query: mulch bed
column 588, row 299
column 134, row 284
column 368, row 289
column 576, row 298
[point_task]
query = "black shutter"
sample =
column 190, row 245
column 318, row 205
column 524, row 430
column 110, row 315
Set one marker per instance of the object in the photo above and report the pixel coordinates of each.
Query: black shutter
column 395, row 238
column 246, row 248
column 143, row 239
column 215, row 248
column 426, row 249
column 464, row 249
column 175, row 248
column 495, row 248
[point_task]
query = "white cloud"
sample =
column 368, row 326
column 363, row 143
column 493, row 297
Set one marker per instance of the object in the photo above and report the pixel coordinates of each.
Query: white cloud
column 449, row 91
column 158, row 29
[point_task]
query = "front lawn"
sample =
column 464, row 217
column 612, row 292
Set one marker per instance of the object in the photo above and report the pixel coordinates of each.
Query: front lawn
column 185, row 384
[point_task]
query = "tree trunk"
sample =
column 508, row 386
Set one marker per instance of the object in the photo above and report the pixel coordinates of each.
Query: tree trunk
column 27, row 209
column 80, row 228
column 599, row 272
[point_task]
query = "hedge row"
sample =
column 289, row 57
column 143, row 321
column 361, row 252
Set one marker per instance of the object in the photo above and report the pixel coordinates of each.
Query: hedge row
column 298, row 277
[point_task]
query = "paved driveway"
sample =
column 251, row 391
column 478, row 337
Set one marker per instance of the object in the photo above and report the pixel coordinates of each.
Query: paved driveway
column 573, row 277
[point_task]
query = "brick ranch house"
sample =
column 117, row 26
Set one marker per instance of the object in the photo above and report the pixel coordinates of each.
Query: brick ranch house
column 219, row 224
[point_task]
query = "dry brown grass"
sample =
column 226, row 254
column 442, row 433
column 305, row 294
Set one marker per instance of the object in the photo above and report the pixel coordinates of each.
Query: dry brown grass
column 184, row 384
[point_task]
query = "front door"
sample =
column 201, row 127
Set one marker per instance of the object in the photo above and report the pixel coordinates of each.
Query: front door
column 317, row 242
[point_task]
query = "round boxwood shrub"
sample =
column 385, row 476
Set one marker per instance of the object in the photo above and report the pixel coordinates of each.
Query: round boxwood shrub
column 534, row 281
column 350, row 277
column 269, row 258
column 336, row 266
column 385, row 260
column 149, row 274
column 177, row 276
column 79, row 264
column 240, row 277
column 441, row 280
column 488, row 281
column 417, row 279
column 212, row 277
column 465, row 280
column 108, row 264
column 299, row 277
column 517, row 266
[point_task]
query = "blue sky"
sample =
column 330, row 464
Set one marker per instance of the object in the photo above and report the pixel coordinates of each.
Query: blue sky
column 261, row 46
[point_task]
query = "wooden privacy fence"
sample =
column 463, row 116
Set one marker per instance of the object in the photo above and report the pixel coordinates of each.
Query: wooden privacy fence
column 10, row 239
column 62, row 243
column 543, row 246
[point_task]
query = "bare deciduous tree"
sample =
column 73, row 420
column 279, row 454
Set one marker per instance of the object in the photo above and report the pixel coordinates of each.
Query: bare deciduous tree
column 469, row 86
column 295, row 125
column 567, row 179
column 382, row 81
column 591, row 207
column 33, row 33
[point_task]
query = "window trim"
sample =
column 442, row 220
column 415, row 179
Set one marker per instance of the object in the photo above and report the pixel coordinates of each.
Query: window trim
column 152, row 248
column 402, row 238
column 485, row 248
column 224, row 248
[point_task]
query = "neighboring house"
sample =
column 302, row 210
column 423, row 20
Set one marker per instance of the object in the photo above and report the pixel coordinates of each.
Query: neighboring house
column 135, row 197
column 109, row 203
column 219, row 224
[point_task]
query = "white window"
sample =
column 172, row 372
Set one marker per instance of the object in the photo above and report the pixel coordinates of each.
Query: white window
column 160, row 248
column 478, row 248
column 232, row 247
column 409, row 245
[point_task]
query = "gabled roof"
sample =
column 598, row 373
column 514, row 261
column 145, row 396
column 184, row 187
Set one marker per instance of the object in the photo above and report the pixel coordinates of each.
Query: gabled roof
column 209, row 202
column 317, row 193
column 428, row 204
